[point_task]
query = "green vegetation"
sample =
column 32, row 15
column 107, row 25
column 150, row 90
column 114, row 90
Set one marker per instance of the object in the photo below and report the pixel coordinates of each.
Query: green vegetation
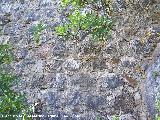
column 90, row 23
column 115, row 117
column 158, row 109
column 156, row 74
column 11, row 103
column 37, row 30
column 98, row 118
column 5, row 54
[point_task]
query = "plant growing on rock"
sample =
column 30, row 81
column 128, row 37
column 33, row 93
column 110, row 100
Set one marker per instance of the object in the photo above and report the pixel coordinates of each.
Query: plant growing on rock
column 158, row 109
column 37, row 30
column 156, row 74
column 98, row 118
column 115, row 117
column 11, row 103
column 5, row 53
column 89, row 23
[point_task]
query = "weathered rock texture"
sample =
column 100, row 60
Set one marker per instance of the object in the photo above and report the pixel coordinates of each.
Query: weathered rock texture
column 85, row 80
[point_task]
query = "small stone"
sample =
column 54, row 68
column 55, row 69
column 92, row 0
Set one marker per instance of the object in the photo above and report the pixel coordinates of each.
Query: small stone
column 59, row 49
column 6, row 8
column 99, row 64
column 71, row 65
column 19, row 69
column 38, row 67
column 111, row 81
column 111, row 49
column 74, row 99
column 22, row 1
column 156, row 30
column 52, row 99
column 125, row 102
column 84, row 81
column 4, row 39
column 5, row 19
column 60, row 82
column 120, row 4
column 50, row 13
column 137, row 96
column 44, row 51
column 93, row 102
column 21, row 53
column 53, row 65
column 126, row 117
column 46, row 2
column 140, row 48
column 31, row 16
column 129, row 62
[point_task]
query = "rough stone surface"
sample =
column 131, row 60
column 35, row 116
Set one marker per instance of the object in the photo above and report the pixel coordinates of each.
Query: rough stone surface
column 84, row 80
column 152, row 87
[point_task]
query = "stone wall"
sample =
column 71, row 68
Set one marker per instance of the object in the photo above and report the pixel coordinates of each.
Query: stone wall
column 85, row 80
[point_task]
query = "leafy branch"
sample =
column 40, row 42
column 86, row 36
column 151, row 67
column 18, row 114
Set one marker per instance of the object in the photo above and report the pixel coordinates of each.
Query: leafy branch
column 37, row 30
column 11, row 103
column 90, row 23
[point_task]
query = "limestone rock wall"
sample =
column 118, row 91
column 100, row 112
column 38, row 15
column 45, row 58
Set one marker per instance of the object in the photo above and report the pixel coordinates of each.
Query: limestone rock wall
column 84, row 80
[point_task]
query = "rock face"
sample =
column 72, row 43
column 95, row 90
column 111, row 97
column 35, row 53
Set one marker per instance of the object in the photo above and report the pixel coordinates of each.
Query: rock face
column 152, row 86
column 84, row 80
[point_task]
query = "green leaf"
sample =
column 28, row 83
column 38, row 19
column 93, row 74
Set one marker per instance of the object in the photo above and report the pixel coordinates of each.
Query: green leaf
column 98, row 26
column 37, row 30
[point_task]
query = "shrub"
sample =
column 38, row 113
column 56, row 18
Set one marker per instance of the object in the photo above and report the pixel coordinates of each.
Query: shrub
column 90, row 23
column 11, row 103
column 5, row 53
column 158, row 109
column 37, row 30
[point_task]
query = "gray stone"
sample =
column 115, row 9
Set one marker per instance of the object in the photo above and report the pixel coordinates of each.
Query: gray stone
column 59, row 49
column 19, row 69
column 4, row 39
column 37, row 81
column 137, row 46
column 71, row 64
column 29, row 61
column 84, row 81
column 54, row 65
column 65, row 116
column 31, row 16
column 5, row 19
column 6, row 8
column 46, row 3
column 94, row 102
column 57, row 72
column 111, row 49
column 60, row 82
column 126, row 117
column 121, row 4
column 152, row 87
column 111, row 81
column 129, row 62
column 140, row 48
column 74, row 99
column 22, row 1
column 99, row 64
column 125, row 102
column 156, row 29
column 38, row 67
column 7, row 1
column 23, row 65
column 50, row 13
column 52, row 99
column 21, row 53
